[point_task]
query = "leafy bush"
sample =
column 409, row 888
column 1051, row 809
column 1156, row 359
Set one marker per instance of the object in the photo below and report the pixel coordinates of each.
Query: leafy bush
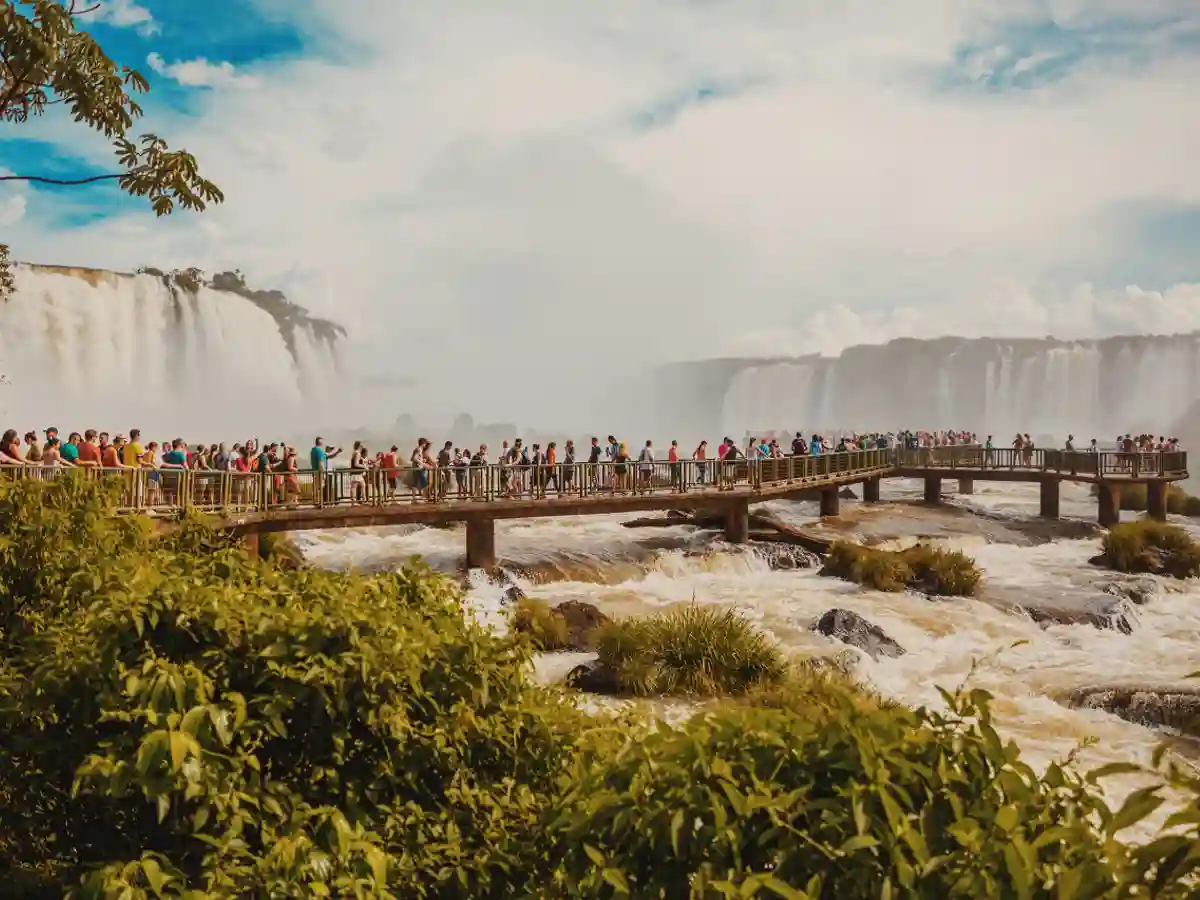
column 239, row 730
column 947, row 573
column 859, row 803
column 547, row 629
column 693, row 650
column 1148, row 546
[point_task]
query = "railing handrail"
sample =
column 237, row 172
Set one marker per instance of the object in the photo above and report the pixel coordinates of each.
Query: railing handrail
column 149, row 488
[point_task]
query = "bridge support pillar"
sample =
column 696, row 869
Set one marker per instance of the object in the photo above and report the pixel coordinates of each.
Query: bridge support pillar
column 966, row 485
column 1156, row 500
column 870, row 490
column 1049, row 500
column 737, row 522
column 830, row 502
column 1109, row 497
column 933, row 489
column 250, row 545
column 481, row 543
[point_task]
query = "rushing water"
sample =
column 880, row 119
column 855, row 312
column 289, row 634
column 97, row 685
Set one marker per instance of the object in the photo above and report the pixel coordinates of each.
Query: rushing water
column 985, row 641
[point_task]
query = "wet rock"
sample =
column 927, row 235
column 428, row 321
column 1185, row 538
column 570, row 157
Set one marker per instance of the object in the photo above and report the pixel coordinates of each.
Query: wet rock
column 1106, row 612
column 513, row 593
column 851, row 628
column 785, row 557
column 1100, row 561
column 594, row 678
column 847, row 494
column 1138, row 591
column 1172, row 708
column 582, row 621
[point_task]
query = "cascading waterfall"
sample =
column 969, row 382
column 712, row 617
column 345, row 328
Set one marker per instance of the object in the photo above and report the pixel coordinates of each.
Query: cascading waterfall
column 174, row 355
column 1048, row 388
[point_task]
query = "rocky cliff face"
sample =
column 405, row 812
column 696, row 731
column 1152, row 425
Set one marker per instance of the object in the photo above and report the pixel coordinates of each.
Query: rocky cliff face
column 1089, row 388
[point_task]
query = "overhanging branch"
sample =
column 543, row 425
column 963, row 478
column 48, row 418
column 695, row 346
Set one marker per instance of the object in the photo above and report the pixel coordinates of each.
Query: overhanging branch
column 40, row 180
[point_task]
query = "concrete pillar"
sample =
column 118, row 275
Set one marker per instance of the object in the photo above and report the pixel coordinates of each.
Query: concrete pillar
column 933, row 489
column 870, row 490
column 830, row 502
column 250, row 545
column 1156, row 500
column 966, row 485
column 1050, row 492
column 737, row 522
column 1109, row 497
column 481, row 543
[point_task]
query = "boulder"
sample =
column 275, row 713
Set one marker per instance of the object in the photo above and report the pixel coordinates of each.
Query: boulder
column 594, row 678
column 780, row 556
column 513, row 593
column 582, row 621
column 851, row 628
column 1103, row 613
column 1169, row 707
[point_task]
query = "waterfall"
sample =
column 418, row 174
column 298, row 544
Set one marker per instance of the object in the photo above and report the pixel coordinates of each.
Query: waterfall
column 1048, row 388
column 174, row 355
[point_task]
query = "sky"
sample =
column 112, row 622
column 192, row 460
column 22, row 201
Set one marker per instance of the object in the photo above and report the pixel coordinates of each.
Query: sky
column 508, row 194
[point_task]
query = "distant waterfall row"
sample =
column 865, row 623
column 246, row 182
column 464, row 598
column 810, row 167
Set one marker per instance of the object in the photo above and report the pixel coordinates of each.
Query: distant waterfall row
column 89, row 348
column 1088, row 388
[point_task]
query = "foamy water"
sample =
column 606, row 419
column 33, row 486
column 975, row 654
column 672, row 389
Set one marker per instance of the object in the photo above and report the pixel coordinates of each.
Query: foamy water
column 983, row 642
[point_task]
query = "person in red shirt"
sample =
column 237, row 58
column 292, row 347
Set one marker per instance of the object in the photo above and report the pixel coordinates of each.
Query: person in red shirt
column 89, row 452
column 676, row 469
column 387, row 465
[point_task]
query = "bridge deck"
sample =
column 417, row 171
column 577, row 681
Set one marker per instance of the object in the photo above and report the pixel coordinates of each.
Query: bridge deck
column 287, row 501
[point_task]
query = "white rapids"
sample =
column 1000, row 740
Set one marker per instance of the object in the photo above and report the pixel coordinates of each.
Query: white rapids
column 981, row 642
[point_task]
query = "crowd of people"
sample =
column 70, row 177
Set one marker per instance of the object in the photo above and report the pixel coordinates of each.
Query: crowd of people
column 521, row 468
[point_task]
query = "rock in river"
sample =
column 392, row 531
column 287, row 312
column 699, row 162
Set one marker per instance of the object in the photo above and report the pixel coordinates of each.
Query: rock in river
column 582, row 620
column 851, row 628
column 1171, row 707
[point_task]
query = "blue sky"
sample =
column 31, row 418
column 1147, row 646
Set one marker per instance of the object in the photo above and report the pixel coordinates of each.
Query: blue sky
column 438, row 176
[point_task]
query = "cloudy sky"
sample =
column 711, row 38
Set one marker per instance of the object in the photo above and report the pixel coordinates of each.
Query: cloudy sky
column 480, row 188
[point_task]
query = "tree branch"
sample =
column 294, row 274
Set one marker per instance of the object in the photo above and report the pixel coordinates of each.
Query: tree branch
column 41, row 180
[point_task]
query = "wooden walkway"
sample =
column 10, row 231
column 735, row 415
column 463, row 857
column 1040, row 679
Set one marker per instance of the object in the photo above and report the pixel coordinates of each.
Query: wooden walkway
column 252, row 504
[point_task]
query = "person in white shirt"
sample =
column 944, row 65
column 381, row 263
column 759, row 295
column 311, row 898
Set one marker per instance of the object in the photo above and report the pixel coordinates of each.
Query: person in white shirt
column 646, row 466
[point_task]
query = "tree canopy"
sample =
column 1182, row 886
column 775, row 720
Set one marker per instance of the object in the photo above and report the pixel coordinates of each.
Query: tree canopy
column 47, row 60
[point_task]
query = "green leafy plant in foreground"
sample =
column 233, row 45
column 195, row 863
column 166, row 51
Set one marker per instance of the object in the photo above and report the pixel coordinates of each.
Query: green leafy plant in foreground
column 182, row 721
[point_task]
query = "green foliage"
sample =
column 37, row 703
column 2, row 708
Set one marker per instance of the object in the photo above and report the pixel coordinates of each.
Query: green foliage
column 946, row 573
column 48, row 60
column 693, row 650
column 859, row 802
column 546, row 628
column 1149, row 546
column 185, row 718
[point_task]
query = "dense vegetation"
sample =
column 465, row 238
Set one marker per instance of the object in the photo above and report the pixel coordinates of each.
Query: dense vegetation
column 182, row 721
column 930, row 570
column 1155, row 547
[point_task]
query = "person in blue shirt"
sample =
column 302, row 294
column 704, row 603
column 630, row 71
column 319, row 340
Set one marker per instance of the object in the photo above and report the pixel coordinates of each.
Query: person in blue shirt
column 814, row 449
column 319, row 458
column 70, row 450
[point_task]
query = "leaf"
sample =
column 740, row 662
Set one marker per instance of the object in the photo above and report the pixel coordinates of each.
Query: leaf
column 154, row 875
column 676, row 831
column 616, row 879
column 594, row 855
column 1136, row 807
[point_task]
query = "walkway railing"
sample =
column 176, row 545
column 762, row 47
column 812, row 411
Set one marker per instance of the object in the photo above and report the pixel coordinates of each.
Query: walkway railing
column 169, row 490
column 172, row 490
column 1078, row 462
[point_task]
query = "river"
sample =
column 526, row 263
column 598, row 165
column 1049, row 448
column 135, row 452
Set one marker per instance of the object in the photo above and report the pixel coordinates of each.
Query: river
column 987, row 640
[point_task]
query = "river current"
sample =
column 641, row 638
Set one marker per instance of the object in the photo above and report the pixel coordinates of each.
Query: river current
column 988, row 642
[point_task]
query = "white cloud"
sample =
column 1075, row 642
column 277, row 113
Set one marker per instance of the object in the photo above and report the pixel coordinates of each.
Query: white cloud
column 127, row 14
column 12, row 210
column 200, row 72
column 469, row 190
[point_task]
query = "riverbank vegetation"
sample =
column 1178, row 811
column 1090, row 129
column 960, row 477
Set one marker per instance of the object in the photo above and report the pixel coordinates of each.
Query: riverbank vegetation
column 180, row 720
column 930, row 570
column 1154, row 547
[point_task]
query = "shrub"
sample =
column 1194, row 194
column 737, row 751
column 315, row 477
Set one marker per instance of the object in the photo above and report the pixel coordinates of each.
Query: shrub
column 1155, row 547
column 947, row 573
column 858, row 803
column 546, row 628
column 237, row 730
column 693, row 650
